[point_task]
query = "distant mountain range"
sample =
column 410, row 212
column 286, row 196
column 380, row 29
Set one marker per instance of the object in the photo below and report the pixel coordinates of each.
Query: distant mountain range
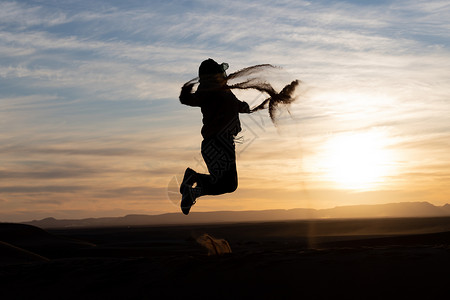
column 391, row 210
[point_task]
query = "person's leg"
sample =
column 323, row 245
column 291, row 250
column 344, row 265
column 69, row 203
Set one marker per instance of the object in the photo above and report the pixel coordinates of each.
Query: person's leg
column 220, row 158
column 190, row 177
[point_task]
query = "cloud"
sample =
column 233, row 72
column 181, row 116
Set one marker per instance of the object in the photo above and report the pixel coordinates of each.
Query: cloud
column 51, row 174
column 18, row 14
column 133, row 68
column 16, row 149
column 18, row 189
column 90, row 91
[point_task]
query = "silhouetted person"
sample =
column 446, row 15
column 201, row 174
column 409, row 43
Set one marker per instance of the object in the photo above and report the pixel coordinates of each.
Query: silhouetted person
column 220, row 109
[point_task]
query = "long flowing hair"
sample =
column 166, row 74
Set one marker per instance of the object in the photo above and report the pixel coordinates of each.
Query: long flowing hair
column 254, row 78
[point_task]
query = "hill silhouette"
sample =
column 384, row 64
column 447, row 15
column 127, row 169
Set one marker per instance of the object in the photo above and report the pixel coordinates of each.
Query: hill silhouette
column 390, row 210
column 22, row 242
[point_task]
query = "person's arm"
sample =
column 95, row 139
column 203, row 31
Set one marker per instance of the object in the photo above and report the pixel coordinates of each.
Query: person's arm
column 243, row 107
column 187, row 97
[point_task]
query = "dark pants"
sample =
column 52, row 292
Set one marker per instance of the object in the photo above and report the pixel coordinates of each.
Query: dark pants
column 220, row 158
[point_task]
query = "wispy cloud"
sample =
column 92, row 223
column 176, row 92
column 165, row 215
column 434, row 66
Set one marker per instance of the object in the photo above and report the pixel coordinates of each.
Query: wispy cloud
column 89, row 94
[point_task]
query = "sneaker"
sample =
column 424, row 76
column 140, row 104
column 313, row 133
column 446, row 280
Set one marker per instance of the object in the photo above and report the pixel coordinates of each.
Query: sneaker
column 188, row 176
column 188, row 199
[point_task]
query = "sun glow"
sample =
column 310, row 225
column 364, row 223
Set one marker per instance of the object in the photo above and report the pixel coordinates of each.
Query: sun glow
column 357, row 161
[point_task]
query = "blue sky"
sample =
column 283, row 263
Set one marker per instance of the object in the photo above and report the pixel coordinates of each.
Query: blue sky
column 91, row 124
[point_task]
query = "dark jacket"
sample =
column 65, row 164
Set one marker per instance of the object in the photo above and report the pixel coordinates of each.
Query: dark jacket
column 220, row 109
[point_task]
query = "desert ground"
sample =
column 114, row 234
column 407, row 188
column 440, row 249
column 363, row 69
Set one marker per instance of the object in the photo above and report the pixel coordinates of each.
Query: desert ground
column 316, row 259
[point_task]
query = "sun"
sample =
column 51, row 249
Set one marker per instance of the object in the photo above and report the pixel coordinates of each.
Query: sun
column 357, row 160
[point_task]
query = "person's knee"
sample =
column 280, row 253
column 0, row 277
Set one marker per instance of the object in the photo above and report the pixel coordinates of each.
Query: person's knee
column 232, row 186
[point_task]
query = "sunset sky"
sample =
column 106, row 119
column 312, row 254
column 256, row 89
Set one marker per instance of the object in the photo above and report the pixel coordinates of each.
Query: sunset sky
column 91, row 125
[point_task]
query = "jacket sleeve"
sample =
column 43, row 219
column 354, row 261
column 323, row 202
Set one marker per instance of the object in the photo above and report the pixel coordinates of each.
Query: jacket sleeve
column 187, row 97
column 243, row 107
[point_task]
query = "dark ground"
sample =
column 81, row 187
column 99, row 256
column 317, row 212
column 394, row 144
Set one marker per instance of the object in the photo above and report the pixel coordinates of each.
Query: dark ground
column 332, row 259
